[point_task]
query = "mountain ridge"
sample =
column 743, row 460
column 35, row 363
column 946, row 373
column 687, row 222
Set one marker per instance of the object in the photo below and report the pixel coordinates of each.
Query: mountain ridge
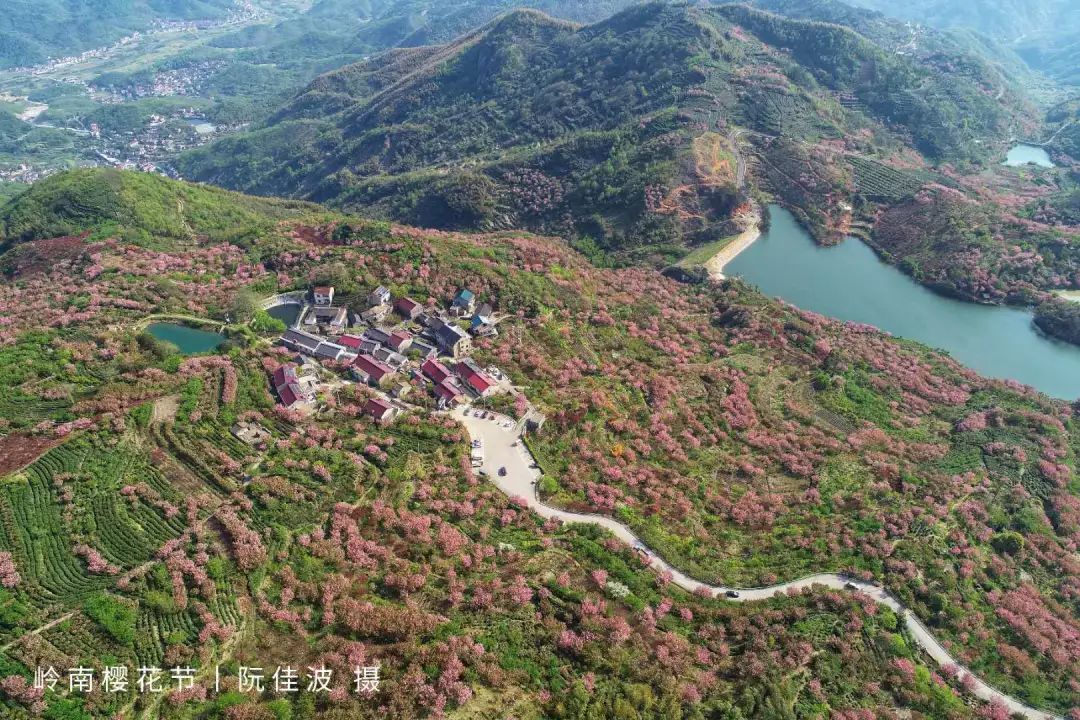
column 443, row 127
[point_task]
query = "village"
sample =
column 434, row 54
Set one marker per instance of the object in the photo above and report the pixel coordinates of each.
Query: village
column 396, row 347
column 244, row 13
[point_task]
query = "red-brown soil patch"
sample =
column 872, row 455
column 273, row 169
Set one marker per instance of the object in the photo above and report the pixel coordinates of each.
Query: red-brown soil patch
column 39, row 256
column 18, row 451
column 321, row 236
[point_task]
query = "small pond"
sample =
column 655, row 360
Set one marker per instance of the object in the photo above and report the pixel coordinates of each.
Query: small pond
column 1028, row 155
column 201, row 126
column 189, row 340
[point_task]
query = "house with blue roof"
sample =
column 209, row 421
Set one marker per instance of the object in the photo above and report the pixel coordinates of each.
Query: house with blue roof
column 464, row 303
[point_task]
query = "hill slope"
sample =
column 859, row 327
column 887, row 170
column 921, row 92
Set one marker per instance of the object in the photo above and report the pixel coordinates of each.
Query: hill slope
column 1043, row 32
column 1006, row 20
column 616, row 134
column 147, row 205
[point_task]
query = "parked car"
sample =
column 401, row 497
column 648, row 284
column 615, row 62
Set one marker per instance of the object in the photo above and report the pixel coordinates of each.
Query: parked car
column 850, row 586
column 733, row 594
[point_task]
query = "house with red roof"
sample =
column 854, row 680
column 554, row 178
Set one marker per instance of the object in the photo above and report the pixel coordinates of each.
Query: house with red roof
column 350, row 341
column 287, row 386
column 475, row 378
column 449, row 393
column 408, row 308
column 400, row 340
column 435, row 371
column 291, row 395
column 324, row 296
column 368, row 369
column 283, row 376
column 379, row 410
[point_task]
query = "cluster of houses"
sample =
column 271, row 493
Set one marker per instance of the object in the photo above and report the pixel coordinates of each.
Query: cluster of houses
column 392, row 341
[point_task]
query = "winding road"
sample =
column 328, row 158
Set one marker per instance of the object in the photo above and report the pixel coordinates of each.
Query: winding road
column 503, row 448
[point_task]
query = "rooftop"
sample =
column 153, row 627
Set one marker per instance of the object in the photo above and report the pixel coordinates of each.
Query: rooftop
column 372, row 367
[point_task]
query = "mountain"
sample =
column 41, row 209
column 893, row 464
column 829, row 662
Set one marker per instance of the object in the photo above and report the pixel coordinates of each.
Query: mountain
column 1057, row 56
column 1043, row 32
column 952, row 45
column 242, row 75
column 1010, row 21
column 332, row 33
column 618, row 135
column 32, row 31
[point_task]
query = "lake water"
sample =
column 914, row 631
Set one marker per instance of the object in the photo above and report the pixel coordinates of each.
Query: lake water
column 1028, row 154
column 849, row 282
column 287, row 314
column 189, row 340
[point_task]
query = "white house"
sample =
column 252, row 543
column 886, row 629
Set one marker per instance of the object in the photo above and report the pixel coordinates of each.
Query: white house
column 324, row 295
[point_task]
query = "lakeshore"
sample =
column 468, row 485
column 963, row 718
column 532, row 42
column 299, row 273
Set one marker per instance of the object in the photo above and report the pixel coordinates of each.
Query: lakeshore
column 850, row 282
column 715, row 264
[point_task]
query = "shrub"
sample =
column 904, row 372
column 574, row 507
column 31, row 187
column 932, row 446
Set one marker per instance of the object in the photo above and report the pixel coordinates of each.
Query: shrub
column 114, row 615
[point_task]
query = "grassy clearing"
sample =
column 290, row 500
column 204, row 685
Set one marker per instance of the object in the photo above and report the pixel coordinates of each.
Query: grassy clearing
column 700, row 255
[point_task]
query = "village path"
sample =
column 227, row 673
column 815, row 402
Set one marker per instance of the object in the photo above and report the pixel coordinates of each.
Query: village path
column 148, row 320
column 751, row 222
column 38, row 630
column 504, row 451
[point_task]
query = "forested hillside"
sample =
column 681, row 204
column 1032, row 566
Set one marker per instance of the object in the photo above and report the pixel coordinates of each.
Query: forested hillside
column 140, row 206
column 333, row 33
column 958, row 49
column 616, row 134
column 1043, row 32
column 1005, row 20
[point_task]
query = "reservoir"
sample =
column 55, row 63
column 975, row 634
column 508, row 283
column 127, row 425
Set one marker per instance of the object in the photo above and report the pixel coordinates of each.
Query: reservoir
column 1028, row 155
column 189, row 340
column 849, row 282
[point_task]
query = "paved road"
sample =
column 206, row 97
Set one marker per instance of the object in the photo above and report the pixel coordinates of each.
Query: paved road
column 503, row 449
